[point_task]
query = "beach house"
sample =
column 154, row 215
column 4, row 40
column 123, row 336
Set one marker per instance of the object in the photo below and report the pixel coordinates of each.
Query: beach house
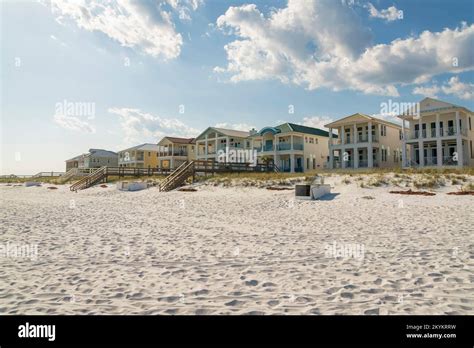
column 213, row 139
column 95, row 158
column 437, row 133
column 364, row 142
column 140, row 156
column 175, row 151
column 291, row 147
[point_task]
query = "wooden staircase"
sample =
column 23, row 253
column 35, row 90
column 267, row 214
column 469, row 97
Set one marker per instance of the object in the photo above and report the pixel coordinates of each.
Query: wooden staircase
column 178, row 177
column 90, row 180
column 68, row 175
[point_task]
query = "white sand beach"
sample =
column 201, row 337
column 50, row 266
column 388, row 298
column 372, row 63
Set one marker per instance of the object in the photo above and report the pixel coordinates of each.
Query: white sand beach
column 236, row 250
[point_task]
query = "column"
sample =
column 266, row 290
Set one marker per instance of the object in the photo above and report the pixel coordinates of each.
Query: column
column 356, row 157
column 292, row 163
column 331, row 158
column 330, row 136
column 341, row 157
column 355, row 133
column 291, row 142
column 439, row 149
column 404, row 145
column 370, row 148
column 421, row 153
column 343, row 136
column 458, row 128
column 205, row 149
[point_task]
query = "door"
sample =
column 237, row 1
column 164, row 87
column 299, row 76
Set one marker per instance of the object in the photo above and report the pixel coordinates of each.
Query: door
column 268, row 145
column 450, row 127
column 433, row 129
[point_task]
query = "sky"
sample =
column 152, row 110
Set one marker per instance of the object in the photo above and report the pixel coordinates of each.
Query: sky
column 104, row 74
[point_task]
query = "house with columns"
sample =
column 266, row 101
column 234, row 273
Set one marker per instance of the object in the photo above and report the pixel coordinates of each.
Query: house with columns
column 174, row 151
column 364, row 142
column 437, row 134
column 213, row 139
column 291, row 147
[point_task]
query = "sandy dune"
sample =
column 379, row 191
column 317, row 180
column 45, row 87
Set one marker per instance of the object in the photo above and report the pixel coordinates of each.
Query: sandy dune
column 235, row 251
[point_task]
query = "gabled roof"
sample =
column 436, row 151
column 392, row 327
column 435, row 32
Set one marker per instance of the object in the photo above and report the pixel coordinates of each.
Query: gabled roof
column 347, row 119
column 143, row 147
column 101, row 153
column 226, row 132
column 308, row 130
column 77, row 158
column 176, row 140
column 430, row 105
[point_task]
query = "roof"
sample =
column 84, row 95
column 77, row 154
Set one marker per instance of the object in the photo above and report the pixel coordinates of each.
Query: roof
column 293, row 127
column 143, row 147
column 308, row 130
column 101, row 153
column 77, row 158
column 177, row 140
column 368, row 117
column 227, row 132
column 424, row 107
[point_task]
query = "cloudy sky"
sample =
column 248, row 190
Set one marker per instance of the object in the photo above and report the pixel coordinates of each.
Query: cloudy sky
column 104, row 74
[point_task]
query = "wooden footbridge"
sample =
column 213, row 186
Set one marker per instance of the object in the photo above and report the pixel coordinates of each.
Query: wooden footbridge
column 176, row 177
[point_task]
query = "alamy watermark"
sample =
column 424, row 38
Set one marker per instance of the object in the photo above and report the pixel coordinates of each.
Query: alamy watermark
column 345, row 250
column 16, row 250
column 233, row 155
column 79, row 109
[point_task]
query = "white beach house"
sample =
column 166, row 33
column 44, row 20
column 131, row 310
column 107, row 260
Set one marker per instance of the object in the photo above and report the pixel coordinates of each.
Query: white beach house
column 364, row 142
column 438, row 134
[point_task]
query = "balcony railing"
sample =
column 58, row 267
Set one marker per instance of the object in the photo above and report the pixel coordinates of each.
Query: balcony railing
column 444, row 132
column 360, row 139
column 430, row 161
column 283, row 147
column 173, row 153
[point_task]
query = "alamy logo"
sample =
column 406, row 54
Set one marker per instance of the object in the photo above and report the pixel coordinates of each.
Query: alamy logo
column 237, row 156
column 37, row 331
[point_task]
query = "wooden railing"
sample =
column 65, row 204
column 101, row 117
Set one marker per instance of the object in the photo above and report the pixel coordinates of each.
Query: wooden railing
column 90, row 180
column 176, row 178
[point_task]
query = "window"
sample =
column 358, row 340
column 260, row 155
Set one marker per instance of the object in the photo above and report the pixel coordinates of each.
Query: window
column 314, row 163
column 469, row 123
column 383, row 130
column 149, row 153
column 307, row 163
column 305, row 139
column 316, row 140
column 400, row 135
column 384, row 155
column 470, row 144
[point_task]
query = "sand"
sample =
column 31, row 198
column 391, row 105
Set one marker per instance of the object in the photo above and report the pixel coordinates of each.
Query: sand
column 236, row 251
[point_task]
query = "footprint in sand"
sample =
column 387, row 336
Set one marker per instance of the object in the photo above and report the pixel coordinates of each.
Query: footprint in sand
column 234, row 303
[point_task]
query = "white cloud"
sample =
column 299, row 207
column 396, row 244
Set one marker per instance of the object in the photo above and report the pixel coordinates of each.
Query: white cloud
column 453, row 87
column 427, row 91
column 73, row 123
column 141, row 127
column 390, row 14
column 323, row 44
column 459, row 89
column 144, row 25
column 316, row 121
column 236, row 126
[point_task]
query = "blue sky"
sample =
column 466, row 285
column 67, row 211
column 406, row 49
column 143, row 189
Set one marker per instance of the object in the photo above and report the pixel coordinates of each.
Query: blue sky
column 175, row 67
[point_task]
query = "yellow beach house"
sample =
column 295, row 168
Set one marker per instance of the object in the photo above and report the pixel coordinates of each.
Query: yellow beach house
column 174, row 151
column 140, row 156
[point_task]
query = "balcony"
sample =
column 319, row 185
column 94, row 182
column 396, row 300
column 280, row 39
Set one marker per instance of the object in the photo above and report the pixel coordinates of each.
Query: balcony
column 173, row 153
